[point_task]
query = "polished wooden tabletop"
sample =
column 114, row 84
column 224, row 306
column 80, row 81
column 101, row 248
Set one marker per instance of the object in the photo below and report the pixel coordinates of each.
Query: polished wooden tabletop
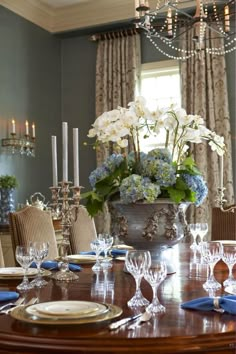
column 176, row 331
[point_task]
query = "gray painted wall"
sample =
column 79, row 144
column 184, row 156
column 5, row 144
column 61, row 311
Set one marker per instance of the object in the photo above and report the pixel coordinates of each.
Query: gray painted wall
column 30, row 77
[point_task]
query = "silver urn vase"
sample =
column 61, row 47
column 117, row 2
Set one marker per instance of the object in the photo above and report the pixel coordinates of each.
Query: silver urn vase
column 155, row 227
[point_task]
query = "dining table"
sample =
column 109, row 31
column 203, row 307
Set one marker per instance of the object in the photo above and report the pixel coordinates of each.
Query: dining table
column 177, row 330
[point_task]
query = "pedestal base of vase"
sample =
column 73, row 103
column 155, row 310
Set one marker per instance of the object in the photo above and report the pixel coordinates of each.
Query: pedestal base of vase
column 66, row 276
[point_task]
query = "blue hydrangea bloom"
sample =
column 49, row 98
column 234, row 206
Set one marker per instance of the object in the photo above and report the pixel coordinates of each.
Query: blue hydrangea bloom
column 135, row 187
column 106, row 169
column 161, row 154
column 164, row 173
column 197, row 184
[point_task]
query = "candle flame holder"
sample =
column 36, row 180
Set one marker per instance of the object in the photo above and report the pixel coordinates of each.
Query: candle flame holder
column 65, row 208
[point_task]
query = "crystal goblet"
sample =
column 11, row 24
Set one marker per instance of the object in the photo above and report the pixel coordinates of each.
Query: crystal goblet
column 194, row 229
column 211, row 254
column 136, row 263
column 98, row 246
column 154, row 276
column 41, row 252
column 108, row 241
column 25, row 256
column 229, row 257
column 202, row 231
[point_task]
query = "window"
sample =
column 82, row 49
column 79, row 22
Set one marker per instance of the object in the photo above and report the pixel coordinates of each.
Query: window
column 160, row 85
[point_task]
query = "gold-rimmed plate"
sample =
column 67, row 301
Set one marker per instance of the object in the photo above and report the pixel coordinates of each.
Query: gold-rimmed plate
column 84, row 258
column 19, row 313
column 67, row 309
column 18, row 272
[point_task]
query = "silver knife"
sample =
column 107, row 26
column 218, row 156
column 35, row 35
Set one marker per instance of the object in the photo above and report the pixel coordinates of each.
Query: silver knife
column 125, row 320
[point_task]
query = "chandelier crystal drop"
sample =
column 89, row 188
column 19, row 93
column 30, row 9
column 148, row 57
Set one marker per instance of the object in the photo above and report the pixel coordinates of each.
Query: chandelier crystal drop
column 209, row 24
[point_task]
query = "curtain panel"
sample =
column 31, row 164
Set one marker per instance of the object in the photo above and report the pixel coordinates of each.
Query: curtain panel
column 204, row 92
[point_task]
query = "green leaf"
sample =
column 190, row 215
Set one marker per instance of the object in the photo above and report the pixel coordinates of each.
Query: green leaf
column 176, row 195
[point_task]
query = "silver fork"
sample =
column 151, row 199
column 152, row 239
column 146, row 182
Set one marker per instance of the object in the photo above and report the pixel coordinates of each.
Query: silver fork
column 146, row 316
column 30, row 302
column 12, row 304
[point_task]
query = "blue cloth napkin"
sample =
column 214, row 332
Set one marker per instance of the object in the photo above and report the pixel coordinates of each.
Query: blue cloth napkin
column 53, row 265
column 226, row 303
column 114, row 252
column 8, row 295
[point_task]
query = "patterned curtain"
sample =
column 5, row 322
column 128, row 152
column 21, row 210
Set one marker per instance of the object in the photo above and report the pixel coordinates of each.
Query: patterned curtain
column 117, row 73
column 204, row 92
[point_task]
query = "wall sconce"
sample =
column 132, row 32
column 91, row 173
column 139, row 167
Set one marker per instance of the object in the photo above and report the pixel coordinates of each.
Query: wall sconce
column 22, row 145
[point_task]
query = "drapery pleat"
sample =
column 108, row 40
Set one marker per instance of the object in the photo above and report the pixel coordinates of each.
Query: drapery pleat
column 204, row 92
column 117, row 73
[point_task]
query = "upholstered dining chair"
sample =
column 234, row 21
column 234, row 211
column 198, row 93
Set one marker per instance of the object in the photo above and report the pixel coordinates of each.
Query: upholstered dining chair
column 2, row 263
column 223, row 225
column 83, row 231
column 32, row 224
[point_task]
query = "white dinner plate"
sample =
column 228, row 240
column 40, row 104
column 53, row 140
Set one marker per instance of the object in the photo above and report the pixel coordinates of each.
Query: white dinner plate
column 67, row 309
column 122, row 247
column 83, row 258
column 16, row 272
column 231, row 290
column 227, row 242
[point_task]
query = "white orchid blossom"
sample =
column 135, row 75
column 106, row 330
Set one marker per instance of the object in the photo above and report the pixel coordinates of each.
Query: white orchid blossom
column 181, row 128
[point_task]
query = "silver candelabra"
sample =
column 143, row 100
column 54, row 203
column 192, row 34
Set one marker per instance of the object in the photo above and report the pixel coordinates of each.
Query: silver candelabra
column 221, row 201
column 65, row 206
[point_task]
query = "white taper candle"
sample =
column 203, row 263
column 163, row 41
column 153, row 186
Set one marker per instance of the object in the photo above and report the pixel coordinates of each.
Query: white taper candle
column 221, row 172
column 54, row 162
column 64, row 151
column 76, row 156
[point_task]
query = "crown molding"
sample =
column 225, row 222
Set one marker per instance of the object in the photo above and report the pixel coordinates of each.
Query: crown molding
column 72, row 17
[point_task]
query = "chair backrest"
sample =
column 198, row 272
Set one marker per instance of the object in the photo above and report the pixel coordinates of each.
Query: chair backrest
column 32, row 224
column 223, row 225
column 2, row 263
column 83, row 231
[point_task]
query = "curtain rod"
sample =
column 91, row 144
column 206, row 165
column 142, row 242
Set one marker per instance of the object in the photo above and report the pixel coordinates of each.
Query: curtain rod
column 113, row 34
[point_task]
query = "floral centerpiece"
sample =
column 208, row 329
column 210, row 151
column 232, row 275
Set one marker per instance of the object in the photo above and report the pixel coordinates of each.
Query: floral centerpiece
column 168, row 172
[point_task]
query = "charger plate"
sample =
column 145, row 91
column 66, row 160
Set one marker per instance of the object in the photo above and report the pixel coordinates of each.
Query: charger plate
column 20, row 313
column 84, row 258
column 67, row 309
column 11, row 274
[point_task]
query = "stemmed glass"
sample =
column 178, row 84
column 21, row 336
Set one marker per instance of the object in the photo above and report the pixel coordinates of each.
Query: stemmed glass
column 154, row 276
column 194, row 229
column 25, row 256
column 136, row 263
column 211, row 253
column 202, row 231
column 98, row 246
column 41, row 252
column 108, row 241
column 229, row 257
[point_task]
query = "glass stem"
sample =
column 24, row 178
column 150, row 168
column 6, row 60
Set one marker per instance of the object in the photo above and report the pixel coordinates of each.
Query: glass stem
column 39, row 270
column 137, row 281
column 211, row 271
column 230, row 267
column 25, row 278
column 155, row 300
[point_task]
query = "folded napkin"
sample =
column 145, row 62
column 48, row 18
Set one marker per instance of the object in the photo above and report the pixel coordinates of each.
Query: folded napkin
column 221, row 304
column 8, row 295
column 113, row 252
column 54, row 265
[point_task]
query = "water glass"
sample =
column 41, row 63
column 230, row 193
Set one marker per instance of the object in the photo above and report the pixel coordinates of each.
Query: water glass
column 211, row 254
column 229, row 257
column 194, row 229
column 108, row 242
column 202, row 231
column 154, row 276
column 41, row 252
column 25, row 256
column 136, row 263
column 98, row 246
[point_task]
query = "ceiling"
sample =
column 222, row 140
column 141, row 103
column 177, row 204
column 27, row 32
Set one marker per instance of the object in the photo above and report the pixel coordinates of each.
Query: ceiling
column 66, row 15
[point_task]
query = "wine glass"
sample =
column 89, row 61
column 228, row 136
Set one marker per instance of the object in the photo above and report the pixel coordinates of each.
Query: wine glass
column 25, row 256
column 211, row 254
column 154, row 276
column 202, row 231
column 98, row 246
column 136, row 263
column 194, row 229
column 229, row 257
column 41, row 252
column 108, row 241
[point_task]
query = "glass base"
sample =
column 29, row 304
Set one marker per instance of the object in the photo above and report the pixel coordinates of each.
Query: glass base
column 211, row 284
column 39, row 283
column 138, row 301
column 156, row 308
column 65, row 276
column 24, row 286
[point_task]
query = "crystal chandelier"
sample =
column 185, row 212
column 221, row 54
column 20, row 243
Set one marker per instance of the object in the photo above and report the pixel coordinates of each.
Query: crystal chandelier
column 209, row 24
